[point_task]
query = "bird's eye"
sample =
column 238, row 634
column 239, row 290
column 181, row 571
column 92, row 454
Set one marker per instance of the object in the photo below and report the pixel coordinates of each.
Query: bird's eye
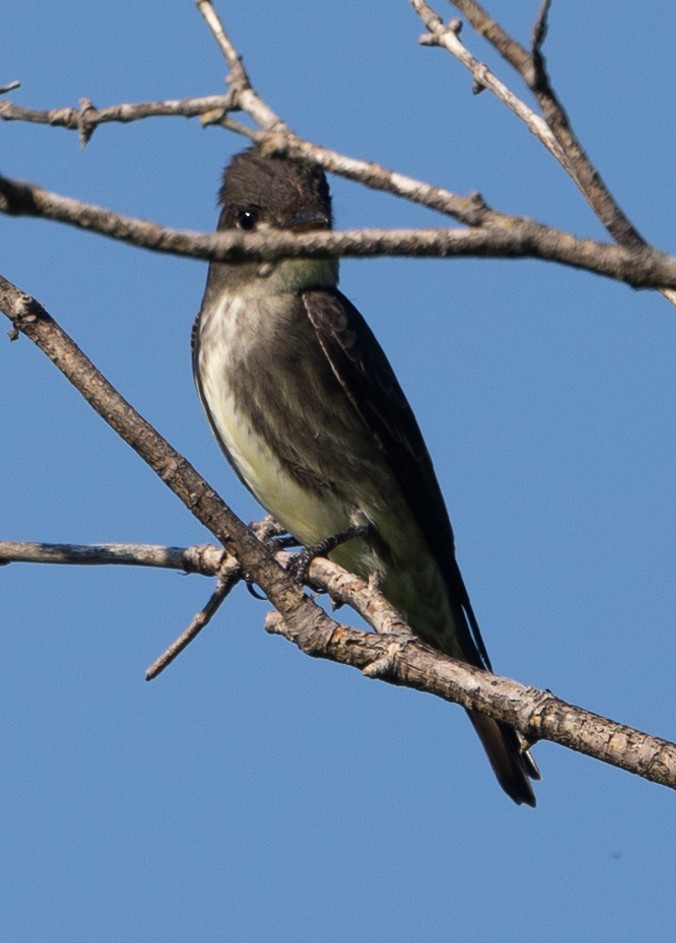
column 246, row 220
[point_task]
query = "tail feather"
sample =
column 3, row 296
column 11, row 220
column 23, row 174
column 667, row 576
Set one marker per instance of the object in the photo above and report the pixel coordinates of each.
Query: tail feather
column 511, row 762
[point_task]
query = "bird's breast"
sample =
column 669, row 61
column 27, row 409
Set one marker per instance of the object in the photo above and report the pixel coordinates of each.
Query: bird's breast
column 249, row 392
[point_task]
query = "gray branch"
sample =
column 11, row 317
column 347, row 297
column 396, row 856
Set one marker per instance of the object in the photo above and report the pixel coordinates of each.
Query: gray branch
column 391, row 653
column 498, row 236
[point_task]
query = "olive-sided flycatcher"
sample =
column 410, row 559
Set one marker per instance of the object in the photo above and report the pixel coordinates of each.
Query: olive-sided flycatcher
column 310, row 415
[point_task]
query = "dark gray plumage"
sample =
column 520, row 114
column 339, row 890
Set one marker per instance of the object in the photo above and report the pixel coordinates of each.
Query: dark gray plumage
column 308, row 411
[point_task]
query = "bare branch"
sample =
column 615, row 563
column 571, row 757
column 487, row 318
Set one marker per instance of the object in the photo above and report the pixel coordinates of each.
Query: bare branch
column 508, row 237
column 30, row 318
column 393, row 654
column 238, row 80
column 537, row 714
column 565, row 146
column 87, row 115
column 484, row 24
column 227, row 579
column 215, row 110
column 204, row 559
column 558, row 137
column 23, row 198
column 554, row 133
column 214, row 23
column 207, row 560
column 448, row 37
column 584, row 172
column 9, row 87
column 469, row 210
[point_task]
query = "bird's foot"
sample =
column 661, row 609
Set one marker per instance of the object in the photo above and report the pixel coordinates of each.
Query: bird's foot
column 284, row 542
column 300, row 563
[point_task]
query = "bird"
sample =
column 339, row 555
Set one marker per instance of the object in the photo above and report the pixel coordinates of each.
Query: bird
column 309, row 413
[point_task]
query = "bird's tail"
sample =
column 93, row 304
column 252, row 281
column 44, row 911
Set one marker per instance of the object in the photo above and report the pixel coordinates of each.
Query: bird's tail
column 511, row 762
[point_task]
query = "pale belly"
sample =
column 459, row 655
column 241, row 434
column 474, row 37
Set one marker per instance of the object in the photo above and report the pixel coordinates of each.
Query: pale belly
column 305, row 514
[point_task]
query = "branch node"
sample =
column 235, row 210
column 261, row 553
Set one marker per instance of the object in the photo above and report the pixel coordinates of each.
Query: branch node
column 26, row 312
column 541, row 702
column 85, row 126
column 478, row 203
column 274, row 623
column 381, row 668
column 384, row 667
column 237, row 80
column 213, row 116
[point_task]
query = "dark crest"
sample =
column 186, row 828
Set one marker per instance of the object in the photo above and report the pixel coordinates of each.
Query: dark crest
column 276, row 188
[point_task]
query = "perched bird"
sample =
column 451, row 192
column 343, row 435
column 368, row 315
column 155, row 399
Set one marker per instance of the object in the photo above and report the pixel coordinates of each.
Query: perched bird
column 310, row 415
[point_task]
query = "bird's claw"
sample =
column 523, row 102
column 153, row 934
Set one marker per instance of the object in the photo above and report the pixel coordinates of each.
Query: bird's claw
column 299, row 565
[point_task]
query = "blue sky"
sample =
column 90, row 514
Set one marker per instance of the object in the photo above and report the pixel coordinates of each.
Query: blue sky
column 251, row 793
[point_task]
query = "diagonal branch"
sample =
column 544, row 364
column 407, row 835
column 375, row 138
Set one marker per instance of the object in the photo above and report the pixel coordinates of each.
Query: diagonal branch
column 404, row 659
column 30, row 318
column 553, row 128
column 568, row 150
column 227, row 580
column 586, row 175
column 238, row 80
column 537, row 714
column 447, row 36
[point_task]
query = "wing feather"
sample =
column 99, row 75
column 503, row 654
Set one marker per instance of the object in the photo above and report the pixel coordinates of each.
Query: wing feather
column 367, row 378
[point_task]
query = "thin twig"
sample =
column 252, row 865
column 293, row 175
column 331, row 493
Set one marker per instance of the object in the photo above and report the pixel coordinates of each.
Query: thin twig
column 9, row 87
column 566, row 148
column 238, row 80
column 540, row 29
column 214, row 23
column 226, row 581
column 208, row 560
column 447, row 36
column 485, row 25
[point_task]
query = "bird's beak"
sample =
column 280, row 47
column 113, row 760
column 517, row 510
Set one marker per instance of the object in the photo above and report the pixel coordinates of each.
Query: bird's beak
column 307, row 221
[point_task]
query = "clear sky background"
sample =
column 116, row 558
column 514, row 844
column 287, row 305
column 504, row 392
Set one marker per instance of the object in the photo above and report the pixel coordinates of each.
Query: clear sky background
column 252, row 793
